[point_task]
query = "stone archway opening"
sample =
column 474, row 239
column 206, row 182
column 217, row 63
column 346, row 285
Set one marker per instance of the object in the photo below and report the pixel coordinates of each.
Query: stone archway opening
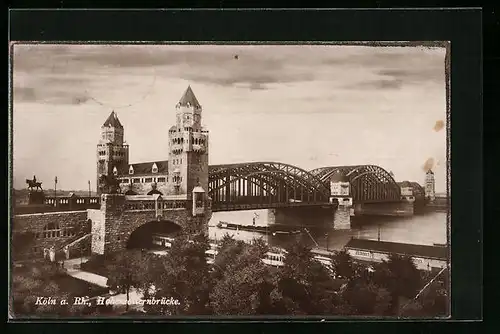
column 142, row 237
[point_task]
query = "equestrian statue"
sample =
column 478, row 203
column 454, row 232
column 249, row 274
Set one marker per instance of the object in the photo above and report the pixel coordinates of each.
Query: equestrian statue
column 33, row 184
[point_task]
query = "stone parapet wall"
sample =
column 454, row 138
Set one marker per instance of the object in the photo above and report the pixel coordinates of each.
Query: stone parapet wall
column 66, row 224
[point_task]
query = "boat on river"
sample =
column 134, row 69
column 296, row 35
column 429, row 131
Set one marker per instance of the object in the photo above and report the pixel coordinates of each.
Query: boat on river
column 274, row 229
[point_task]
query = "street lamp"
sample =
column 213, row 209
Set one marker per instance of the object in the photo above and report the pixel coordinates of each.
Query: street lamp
column 55, row 191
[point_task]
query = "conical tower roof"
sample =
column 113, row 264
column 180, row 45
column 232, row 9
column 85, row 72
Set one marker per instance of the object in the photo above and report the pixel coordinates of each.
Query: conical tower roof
column 113, row 121
column 189, row 98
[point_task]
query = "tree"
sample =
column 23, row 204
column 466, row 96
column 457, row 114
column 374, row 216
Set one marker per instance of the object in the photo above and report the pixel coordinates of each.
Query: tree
column 124, row 272
column 244, row 284
column 229, row 250
column 306, row 285
column 400, row 277
column 21, row 243
column 260, row 246
column 366, row 298
column 342, row 264
column 433, row 300
column 40, row 280
column 185, row 277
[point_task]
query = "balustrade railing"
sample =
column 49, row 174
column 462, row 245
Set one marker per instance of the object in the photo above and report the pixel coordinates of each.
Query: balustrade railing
column 151, row 205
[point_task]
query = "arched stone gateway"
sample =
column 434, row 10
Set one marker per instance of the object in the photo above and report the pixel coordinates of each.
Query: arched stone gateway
column 142, row 237
column 129, row 221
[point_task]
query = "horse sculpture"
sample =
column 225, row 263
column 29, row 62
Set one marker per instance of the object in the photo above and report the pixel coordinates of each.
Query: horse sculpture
column 33, row 184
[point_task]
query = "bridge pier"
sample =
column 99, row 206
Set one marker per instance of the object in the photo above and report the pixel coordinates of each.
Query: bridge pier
column 342, row 218
column 301, row 216
column 319, row 216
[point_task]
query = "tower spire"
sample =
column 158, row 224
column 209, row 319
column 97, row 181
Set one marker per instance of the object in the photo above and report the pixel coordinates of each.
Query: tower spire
column 113, row 121
column 188, row 99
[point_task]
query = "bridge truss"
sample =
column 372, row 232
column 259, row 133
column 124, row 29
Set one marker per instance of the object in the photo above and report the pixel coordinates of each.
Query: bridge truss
column 418, row 191
column 259, row 185
column 369, row 183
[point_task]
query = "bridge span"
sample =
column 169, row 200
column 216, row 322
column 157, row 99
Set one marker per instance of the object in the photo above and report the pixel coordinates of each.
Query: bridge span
column 262, row 185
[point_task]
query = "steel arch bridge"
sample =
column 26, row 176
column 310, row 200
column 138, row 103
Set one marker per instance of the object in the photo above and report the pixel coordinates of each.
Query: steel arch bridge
column 369, row 183
column 260, row 185
column 418, row 191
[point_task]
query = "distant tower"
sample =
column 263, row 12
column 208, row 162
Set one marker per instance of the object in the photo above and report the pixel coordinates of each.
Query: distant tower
column 430, row 183
column 188, row 153
column 112, row 151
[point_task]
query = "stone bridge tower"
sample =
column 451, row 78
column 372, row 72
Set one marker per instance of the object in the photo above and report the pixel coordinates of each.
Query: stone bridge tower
column 188, row 153
column 112, row 151
column 430, row 183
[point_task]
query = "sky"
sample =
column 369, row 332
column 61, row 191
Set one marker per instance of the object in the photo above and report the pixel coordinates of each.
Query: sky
column 306, row 105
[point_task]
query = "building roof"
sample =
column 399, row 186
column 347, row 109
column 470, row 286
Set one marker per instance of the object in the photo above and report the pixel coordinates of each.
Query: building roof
column 189, row 97
column 198, row 189
column 430, row 172
column 425, row 251
column 146, row 168
column 113, row 121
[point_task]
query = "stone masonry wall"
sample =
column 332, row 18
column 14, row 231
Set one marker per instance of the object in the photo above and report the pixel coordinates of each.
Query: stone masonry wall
column 66, row 223
column 97, row 240
column 117, row 224
column 342, row 218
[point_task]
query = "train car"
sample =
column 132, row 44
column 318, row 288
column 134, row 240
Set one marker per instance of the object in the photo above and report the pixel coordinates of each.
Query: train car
column 211, row 253
column 162, row 240
column 274, row 259
column 327, row 262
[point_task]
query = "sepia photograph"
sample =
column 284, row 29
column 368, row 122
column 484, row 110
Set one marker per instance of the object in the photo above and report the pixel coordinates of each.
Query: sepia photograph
column 242, row 180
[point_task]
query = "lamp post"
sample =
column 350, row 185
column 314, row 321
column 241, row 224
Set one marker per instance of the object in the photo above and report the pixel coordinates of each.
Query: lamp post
column 89, row 190
column 55, row 191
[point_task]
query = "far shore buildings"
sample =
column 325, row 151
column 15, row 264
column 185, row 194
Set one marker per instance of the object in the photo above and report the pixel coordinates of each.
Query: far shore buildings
column 425, row 257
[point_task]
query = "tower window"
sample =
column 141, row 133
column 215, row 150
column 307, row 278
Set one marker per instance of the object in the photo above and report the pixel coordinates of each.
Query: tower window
column 148, row 180
column 131, row 170
column 137, row 180
column 161, row 179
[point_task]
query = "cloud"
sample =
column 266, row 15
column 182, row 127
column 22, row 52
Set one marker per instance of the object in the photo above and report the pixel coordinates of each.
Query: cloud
column 25, row 94
column 415, row 75
column 428, row 164
column 49, row 95
column 257, row 67
column 378, row 84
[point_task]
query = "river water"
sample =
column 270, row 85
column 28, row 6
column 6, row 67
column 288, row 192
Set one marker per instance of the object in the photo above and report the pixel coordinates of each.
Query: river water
column 425, row 229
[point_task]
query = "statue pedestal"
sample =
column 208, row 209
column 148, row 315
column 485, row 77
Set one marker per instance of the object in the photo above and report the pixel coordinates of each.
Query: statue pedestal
column 36, row 197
